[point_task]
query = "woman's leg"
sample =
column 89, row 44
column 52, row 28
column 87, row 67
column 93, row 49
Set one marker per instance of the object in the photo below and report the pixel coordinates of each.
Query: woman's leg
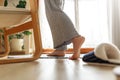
column 63, row 31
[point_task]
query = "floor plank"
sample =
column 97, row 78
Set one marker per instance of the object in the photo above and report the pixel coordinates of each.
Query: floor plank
column 51, row 68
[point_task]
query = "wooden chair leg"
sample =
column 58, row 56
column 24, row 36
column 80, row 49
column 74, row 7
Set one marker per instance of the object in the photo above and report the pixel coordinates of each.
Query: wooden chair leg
column 36, row 27
column 6, row 44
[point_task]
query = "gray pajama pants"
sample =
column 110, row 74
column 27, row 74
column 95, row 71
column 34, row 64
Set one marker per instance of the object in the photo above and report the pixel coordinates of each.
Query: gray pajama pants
column 61, row 26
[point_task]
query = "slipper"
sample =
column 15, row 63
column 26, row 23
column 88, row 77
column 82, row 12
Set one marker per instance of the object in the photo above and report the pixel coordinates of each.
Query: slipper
column 104, row 53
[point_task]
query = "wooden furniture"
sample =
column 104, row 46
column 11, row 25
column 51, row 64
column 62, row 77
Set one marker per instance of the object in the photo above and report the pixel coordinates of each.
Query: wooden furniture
column 19, row 18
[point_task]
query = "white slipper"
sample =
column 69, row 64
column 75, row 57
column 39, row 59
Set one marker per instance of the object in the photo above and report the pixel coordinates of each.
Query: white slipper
column 104, row 53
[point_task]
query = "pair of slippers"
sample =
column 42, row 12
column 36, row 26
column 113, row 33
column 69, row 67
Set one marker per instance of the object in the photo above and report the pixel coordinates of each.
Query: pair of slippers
column 104, row 53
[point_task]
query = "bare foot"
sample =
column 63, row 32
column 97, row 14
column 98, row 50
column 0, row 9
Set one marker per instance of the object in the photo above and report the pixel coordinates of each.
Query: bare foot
column 57, row 53
column 77, row 43
column 75, row 56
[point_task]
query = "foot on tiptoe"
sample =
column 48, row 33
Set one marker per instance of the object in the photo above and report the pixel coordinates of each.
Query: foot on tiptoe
column 77, row 45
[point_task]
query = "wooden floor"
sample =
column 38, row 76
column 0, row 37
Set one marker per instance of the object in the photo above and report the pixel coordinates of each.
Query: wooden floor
column 51, row 68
